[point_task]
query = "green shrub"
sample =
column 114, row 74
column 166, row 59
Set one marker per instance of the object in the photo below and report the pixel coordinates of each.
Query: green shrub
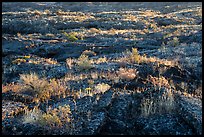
column 174, row 42
column 84, row 62
column 71, row 36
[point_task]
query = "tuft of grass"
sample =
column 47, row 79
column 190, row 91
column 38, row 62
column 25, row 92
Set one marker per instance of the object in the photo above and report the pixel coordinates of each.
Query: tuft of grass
column 37, row 12
column 69, row 62
column 163, row 103
column 101, row 88
column 94, row 30
column 18, row 61
column 135, row 57
column 127, row 74
column 32, row 116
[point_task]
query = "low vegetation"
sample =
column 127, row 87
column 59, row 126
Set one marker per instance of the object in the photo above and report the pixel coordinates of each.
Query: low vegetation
column 101, row 68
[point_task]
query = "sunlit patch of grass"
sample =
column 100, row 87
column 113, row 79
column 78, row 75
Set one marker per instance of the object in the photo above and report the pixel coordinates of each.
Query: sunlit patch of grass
column 135, row 57
column 127, row 74
column 150, row 13
column 159, row 81
column 129, row 17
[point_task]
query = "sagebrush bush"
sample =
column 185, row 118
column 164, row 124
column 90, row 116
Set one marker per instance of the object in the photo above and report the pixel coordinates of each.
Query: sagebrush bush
column 84, row 63
column 38, row 86
column 41, row 88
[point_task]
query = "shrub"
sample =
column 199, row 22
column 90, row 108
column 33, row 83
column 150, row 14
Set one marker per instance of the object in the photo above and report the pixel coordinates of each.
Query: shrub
column 57, row 117
column 71, row 36
column 58, row 88
column 39, row 87
column 174, row 42
column 84, row 63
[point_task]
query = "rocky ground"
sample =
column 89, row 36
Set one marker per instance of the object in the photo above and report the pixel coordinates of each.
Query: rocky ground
column 102, row 68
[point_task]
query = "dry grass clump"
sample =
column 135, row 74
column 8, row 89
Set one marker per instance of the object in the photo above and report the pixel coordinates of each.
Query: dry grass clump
column 12, row 87
column 37, row 12
column 101, row 88
column 135, row 57
column 101, row 60
column 129, row 17
column 162, row 103
column 50, row 61
column 94, row 30
column 48, row 12
column 32, row 116
column 149, row 13
column 159, row 81
column 127, row 74
column 84, row 63
column 60, row 12
column 58, row 88
column 88, row 53
column 58, row 117
column 18, row 61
